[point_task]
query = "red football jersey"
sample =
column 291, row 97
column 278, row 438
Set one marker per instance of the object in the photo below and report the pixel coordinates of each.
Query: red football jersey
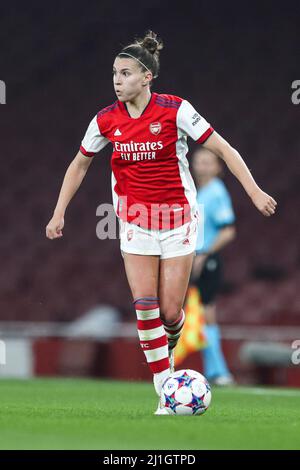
column 151, row 182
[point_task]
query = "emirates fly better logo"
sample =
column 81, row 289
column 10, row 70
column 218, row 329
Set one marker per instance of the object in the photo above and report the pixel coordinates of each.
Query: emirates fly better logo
column 138, row 151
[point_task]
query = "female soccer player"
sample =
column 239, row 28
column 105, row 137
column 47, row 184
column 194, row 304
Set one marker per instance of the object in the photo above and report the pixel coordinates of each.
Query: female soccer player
column 153, row 193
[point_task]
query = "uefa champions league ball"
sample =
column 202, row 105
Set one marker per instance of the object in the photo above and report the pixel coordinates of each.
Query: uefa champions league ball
column 185, row 392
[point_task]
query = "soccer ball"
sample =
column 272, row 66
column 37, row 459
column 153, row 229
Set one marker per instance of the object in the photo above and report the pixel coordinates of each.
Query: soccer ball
column 185, row 392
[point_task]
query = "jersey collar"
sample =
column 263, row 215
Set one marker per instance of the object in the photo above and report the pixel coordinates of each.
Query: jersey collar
column 147, row 109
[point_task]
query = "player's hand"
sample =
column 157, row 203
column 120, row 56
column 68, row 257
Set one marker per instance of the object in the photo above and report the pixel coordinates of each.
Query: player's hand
column 54, row 227
column 264, row 203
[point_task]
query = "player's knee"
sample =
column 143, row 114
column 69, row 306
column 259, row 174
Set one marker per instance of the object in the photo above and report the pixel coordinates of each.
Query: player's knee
column 170, row 313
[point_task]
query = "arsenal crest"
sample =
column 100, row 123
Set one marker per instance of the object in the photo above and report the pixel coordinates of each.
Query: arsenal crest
column 155, row 127
column 129, row 235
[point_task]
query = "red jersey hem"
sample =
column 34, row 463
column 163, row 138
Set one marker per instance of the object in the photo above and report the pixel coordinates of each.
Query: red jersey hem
column 87, row 154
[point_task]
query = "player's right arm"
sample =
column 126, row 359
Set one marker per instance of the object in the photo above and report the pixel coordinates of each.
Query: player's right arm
column 72, row 181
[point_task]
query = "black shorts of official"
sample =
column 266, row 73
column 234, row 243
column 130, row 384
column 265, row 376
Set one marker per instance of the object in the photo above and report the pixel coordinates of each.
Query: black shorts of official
column 210, row 279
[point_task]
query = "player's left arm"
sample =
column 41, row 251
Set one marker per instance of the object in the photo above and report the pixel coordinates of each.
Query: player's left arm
column 264, row 203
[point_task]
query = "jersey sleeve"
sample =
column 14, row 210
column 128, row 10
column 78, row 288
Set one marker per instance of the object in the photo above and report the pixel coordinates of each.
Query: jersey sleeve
column 192, row 124
column 93, row 141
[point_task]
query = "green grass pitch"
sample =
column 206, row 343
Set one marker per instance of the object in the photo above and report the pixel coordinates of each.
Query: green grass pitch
column 94, row 414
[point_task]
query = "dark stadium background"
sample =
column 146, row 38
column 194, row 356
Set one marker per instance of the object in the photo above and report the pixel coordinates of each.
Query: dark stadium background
column 236, row 62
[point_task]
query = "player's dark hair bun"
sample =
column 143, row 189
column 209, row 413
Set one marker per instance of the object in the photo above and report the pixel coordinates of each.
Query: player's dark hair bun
column 146, row 51
column 151, row 42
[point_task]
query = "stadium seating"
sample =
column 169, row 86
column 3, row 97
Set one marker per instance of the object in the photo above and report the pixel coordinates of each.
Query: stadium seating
column 54, row 102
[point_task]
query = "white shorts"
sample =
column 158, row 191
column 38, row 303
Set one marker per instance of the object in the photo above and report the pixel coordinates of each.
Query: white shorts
column 164, row 243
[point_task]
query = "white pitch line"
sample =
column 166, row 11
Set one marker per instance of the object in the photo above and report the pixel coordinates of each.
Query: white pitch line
column 264, row 391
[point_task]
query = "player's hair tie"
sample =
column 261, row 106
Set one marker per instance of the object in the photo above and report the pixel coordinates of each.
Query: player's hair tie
column 132, row 56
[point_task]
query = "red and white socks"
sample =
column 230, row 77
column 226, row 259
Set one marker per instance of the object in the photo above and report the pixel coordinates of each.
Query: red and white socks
column 174, row 330
column 153, row 338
